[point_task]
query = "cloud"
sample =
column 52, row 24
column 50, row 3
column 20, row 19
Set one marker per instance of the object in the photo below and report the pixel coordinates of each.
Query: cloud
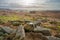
column 54, row 1
column 45, row 5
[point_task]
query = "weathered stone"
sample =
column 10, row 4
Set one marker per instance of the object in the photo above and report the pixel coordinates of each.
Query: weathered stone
column 38, row 28
column 46, row 32
column 7, row 29
column 20, row 33
column 52, row 38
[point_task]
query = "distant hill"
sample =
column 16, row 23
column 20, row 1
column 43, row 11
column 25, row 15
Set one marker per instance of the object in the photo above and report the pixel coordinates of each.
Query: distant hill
column 23, row 12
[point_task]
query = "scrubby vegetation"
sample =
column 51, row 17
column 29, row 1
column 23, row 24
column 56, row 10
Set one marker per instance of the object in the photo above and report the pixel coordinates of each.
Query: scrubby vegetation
column 16, row 20
column 30, row 21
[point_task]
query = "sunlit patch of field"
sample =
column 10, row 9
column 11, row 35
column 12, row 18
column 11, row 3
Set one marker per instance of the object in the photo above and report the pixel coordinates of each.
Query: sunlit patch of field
column 15, row 17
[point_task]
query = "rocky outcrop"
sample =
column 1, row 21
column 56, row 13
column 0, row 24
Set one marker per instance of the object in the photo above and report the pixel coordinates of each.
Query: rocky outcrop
column 18, row 33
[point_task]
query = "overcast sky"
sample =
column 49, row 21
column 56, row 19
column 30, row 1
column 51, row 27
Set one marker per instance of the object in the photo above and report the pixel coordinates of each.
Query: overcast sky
column 35, row 4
